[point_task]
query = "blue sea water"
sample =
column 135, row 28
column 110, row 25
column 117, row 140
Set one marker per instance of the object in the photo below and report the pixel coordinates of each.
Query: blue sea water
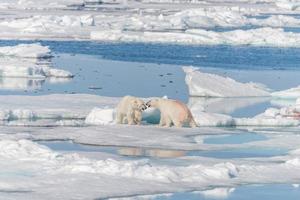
column 233, row 57
column 108, row 68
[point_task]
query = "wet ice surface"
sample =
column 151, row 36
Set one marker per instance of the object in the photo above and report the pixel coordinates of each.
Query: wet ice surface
column 103, row 69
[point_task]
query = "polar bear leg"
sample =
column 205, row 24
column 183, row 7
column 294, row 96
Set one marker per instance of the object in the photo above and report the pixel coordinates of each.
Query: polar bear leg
column 124, row 120
column 137, row 117
column 130, row 118
column 119, row 118
column 168, row 122
column 177, row 123
column 192, row 123
column 162, row 121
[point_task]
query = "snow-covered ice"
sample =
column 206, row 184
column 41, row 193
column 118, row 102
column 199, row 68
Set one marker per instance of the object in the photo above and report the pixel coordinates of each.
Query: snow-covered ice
column 28, row 61
column 182, row 24
column 33, row 171
column 211, row 85
column 34, row 50
column 289, row 93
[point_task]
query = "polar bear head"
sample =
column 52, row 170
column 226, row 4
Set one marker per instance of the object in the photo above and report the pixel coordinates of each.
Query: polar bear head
column 152, row 103
column 138, row 104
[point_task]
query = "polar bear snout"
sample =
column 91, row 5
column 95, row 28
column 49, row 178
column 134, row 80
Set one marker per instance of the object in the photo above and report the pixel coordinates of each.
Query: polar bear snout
column 143, row 107
column 148, row 104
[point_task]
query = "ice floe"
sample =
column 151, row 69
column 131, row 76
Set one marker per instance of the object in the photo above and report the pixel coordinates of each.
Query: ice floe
column 34, row 50
column 26, row 160
column 56, row 106
column 82, row 109
column 290, row 93
column 99, row 116
column 43, row 26
column 46, row 171
column 211, row 85
column 288, row 4
column 28, row 61
column 170, row 25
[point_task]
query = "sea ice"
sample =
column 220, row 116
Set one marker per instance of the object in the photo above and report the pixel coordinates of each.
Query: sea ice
column 290, row 93
column 211, row 85
column 34, row 50
column 28, row 61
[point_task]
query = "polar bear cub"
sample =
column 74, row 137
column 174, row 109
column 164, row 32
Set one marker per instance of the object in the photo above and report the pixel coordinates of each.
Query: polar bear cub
column 172, row 111
column 129, row 110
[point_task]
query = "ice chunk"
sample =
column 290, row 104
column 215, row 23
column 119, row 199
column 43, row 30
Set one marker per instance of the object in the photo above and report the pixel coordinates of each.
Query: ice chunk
column 100, row 116
column 211, row 85
column 212, row 119
column 28, row 60
column 290, row 93
column 34, row 50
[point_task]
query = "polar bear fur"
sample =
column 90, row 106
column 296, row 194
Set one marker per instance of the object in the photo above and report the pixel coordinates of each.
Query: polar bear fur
column 129, row 110
column 173, row 111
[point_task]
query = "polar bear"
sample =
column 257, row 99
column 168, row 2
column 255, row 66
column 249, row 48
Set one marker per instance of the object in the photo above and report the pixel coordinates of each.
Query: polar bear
column 172, row 111
column 129, row 110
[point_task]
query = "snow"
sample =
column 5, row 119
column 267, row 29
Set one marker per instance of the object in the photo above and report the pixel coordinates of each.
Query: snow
column 211, row 85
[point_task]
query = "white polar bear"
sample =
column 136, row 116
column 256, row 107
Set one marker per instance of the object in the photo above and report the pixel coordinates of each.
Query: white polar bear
column 172, row 111
column 129, row 110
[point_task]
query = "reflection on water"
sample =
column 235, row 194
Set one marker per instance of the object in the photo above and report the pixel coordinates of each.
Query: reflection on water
column 123, row 151
column 252, row 152
column 8, row 83
column 26, row 74
column 27, row 84
column 235, row 138
column 166, row 153
column 157, row 153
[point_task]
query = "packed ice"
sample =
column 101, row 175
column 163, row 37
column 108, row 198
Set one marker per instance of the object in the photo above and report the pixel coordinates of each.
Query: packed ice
column 243, row 23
